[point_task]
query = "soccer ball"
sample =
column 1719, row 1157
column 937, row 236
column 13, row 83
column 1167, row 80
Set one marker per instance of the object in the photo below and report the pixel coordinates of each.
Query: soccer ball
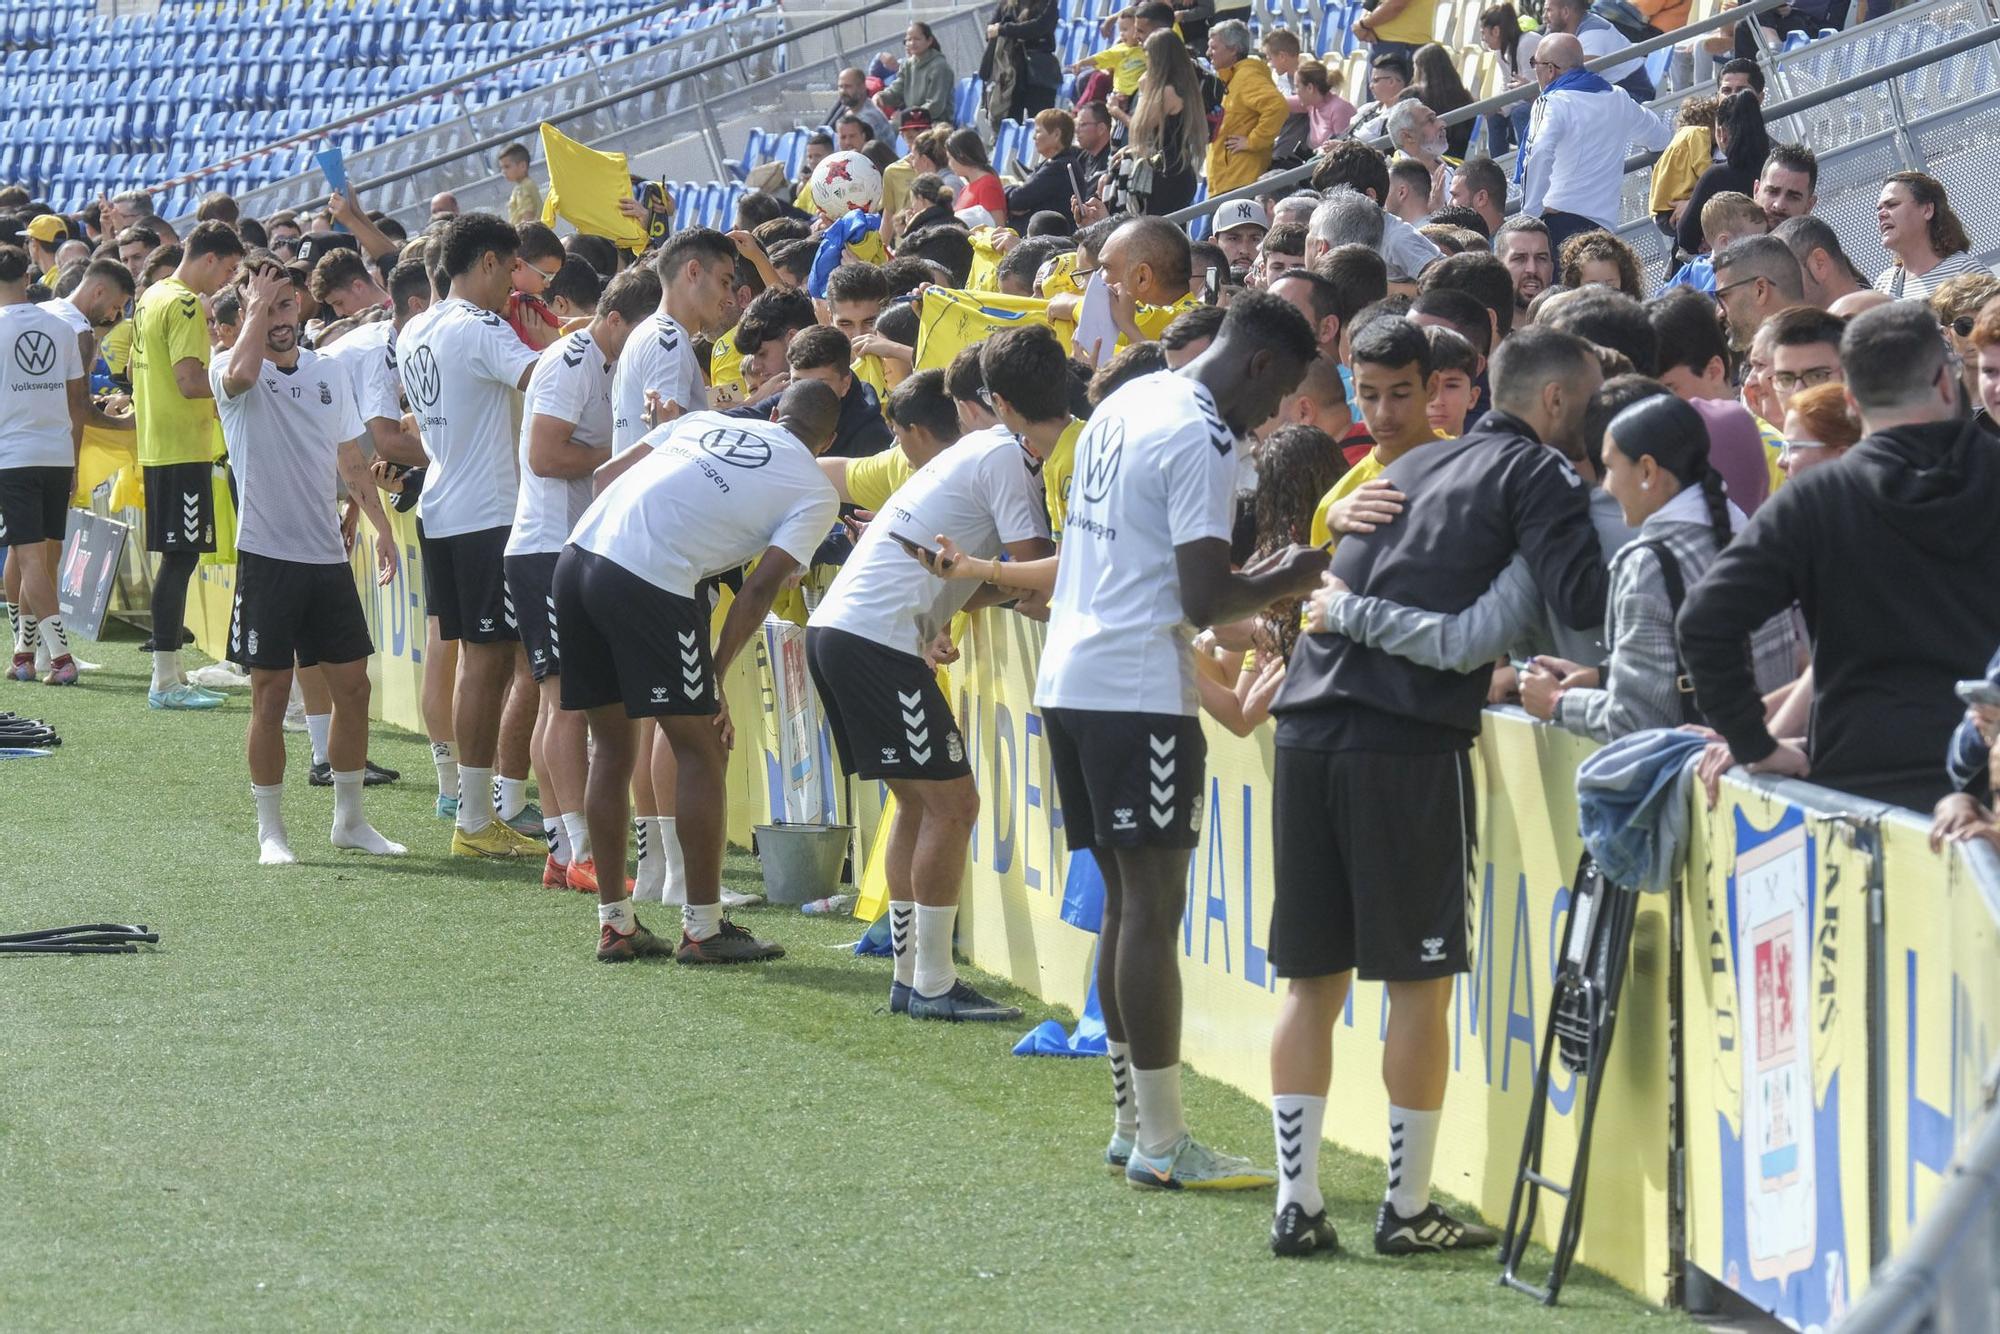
column 843, row 182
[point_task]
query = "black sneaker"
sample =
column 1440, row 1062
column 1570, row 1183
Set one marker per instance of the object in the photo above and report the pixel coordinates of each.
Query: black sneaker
column 321, row 775
column 1431, row 1230
column 732, row 944
column 1295, row 1232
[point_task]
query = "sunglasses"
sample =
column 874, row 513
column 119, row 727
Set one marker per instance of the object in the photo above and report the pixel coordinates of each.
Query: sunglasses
column 1962, row 326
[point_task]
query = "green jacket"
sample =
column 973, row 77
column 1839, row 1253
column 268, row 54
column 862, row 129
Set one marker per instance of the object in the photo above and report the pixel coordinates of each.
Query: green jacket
column 923, row 84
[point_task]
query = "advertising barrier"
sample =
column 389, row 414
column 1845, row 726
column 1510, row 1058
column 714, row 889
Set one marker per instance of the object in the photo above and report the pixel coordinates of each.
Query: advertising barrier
column 1838, row 1002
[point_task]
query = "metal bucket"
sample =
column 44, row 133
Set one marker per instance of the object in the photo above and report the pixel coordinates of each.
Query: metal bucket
column 802, row 861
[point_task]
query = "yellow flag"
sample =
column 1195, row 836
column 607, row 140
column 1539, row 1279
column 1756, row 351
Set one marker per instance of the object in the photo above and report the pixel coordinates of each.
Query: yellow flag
column 872, row 896
column 950, row 320
column 585, row 186
column 984, row 275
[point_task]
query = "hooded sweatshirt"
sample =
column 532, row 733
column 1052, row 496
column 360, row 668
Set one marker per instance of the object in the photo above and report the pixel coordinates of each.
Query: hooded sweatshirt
column 1893, row 556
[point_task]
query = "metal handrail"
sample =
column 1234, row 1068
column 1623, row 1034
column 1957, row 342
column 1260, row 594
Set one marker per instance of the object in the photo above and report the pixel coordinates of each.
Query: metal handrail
column 424, row 94
column 1498, row 102
column 1895, row 69
column 651, row 85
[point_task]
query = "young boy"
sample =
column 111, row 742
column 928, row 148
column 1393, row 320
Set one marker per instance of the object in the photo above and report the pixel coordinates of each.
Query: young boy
column 1455, row 369
column 1126, row 61
column 855, row 295
column 524, row 204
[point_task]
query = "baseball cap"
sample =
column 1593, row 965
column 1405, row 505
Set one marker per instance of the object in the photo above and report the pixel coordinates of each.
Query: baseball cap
column 49, row 229
column 1240, row 213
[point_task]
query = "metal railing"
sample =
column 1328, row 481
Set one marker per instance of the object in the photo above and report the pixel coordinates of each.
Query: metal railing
column 453, row 86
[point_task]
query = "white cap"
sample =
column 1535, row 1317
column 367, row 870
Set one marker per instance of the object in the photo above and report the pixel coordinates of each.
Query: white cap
column 1240, row 213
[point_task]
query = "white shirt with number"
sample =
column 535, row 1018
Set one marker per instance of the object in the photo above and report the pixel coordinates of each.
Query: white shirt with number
column 712, row 494
column 461, row 367
column 979, row 493
column 658, row 356
column 284, row 435
column 38, row 359
column 572, row 383
column 367, row 353
column 1155, row 469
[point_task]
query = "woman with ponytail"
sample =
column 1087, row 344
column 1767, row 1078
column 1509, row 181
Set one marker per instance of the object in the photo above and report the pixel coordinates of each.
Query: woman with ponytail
column 1657, row 467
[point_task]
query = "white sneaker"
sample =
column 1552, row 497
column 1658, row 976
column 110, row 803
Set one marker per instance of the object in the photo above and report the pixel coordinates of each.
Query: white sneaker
column 295, row 718
column 732, row 899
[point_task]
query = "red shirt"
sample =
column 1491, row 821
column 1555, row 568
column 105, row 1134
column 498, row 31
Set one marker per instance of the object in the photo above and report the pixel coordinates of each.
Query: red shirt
column 986, row 193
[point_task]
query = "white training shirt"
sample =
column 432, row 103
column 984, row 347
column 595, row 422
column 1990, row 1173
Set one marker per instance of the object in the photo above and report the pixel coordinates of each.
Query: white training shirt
column 712, row 494
column 66, row 310
column 980, row 494
column 1155, row 469
column 658, row 356
column 40, row 358
column 461, row 367
column 572, row 382
column 367, row 354
column 284, row 435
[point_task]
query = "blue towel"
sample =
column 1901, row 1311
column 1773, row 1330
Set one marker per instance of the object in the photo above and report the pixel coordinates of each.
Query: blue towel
column 1083, row 892
column 1048, row 1038
column 1632, row 806
column 874, row 942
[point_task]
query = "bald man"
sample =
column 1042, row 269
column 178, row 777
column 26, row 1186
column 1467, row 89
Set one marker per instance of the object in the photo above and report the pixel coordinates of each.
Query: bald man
column 699, row 495
column 444, row 204
column 1577, row 136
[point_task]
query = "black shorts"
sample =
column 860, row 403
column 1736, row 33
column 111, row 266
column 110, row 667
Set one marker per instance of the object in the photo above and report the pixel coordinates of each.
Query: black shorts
column 628, row 641
column 1373, row 863
column 1128, row 780
column 888, row 716
column 465, row 586
column 288, row 611
column 180, row 507
column 531, row 584
column 34, row 504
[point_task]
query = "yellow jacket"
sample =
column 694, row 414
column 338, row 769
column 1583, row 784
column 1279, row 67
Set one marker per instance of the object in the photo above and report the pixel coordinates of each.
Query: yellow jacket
column 1254, row 108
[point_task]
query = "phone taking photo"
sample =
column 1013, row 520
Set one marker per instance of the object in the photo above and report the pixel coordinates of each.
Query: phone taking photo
column 1979, row 692
column 925, row 556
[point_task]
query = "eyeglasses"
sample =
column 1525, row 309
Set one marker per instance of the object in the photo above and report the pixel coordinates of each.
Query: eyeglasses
column 1799, row 446
column 1730, row 287
column 1789, row 382
column 1962, row 326
column 1542, row 64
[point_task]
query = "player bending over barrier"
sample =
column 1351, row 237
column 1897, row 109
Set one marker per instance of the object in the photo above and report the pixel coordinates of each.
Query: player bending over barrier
column 697, row 497
column 866, row 646
column 293, row 432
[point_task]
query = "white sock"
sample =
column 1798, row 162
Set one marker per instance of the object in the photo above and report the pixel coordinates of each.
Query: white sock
column 1158, row 1093
column 1124, row 1107
column 902, row 922
column 552, row 830
column 475, row 798
column 319, row 727
column 509, row 796
column 1413, row 1138
column 935, row 972
column 24, row 631
column 14, row 624
column 576, row 833
column 1298, row 1120
column 350, row 827
column 649, row 872
column 701, row 920
column 617, row 916
column 673, row 870
column 166, row 670
column 447, row 767
column 273, row 849
column 55, row 639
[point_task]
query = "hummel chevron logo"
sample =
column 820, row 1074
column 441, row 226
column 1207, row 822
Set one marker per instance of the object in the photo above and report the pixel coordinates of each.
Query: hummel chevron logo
column 1163, row 746
column 1162, row 816
column 1291, row 1133
column 1162, row 795
column 573, row 354
column 191, row 516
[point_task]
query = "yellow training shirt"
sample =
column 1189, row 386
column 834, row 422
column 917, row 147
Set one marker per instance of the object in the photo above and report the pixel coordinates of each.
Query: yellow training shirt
column 169, row 327
column 872, row 480
column 1127, row 65
column 1153, row 320
column 1350, row 481
column 1056, row 470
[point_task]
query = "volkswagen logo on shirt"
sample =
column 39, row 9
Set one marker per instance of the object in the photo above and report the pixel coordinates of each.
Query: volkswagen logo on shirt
column 422, row 374
column 1102, row 451
column 739, row 448
column 35, row 352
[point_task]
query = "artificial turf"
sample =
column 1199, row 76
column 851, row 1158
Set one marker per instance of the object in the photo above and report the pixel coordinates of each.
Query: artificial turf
column 366, row 1094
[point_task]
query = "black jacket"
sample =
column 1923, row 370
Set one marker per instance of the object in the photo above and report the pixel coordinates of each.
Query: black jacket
column 1473, row 502
column 861, row 431
column 1894, row 557
column 1048, row 187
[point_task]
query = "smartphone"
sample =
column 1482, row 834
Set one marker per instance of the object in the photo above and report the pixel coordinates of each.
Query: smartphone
column 1979, row 692
column 925, row 556
column 1211, row 288
column 1076, row 186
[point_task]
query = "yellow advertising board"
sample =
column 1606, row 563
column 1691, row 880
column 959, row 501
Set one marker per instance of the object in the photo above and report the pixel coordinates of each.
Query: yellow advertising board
column 1775, row 1025
column 1941, row 988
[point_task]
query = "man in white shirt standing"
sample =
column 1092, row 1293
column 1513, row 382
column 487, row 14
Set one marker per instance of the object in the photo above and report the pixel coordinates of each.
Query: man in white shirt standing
column 565, row 438
column 292, row 431
column 867, row 644
column 1598, row 37
column 462, row 369
column 1573, row 169
column 697, row 497
column 1145, row 562
column 658, row 377
column 43, row 398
